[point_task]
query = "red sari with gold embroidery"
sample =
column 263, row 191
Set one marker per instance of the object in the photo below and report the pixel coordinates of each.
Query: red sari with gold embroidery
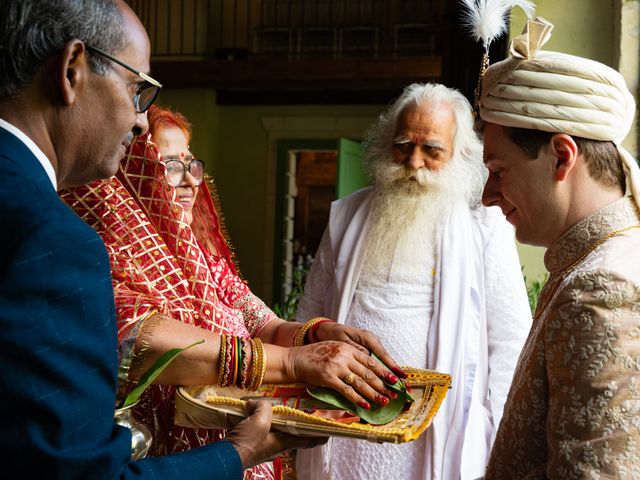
column 160, row 264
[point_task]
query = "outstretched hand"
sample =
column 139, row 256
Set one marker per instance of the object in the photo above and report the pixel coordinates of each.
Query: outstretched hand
column 254, row 441
column 344, row 367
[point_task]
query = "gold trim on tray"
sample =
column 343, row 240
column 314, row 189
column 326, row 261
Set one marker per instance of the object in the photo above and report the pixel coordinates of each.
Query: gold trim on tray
column 428, row 389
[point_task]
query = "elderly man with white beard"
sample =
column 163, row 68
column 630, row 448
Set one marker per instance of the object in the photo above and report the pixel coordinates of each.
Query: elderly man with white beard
column 416, row 259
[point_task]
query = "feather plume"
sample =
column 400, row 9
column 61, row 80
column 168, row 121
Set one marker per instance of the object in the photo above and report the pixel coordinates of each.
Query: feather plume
column 485, row 19
column 527, row 7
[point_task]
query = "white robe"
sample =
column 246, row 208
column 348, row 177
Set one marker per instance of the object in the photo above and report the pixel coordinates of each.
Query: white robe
column 480, row 320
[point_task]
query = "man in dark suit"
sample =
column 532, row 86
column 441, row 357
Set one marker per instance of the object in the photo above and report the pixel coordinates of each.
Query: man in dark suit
column 71, row 95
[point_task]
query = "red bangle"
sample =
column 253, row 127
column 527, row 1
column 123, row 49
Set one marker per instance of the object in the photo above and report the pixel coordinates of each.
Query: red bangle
column 313, row 337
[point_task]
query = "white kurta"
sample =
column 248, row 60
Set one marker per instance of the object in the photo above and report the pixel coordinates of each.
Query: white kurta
column 398, row 311
column 468, row 316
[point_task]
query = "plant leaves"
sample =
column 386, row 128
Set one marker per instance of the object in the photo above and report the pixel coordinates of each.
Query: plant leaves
column 153, row 372
column 379, row 414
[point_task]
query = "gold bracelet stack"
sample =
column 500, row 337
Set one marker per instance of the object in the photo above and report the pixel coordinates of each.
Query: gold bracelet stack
column 242, row 362
column 299, row 337
column 259, row 364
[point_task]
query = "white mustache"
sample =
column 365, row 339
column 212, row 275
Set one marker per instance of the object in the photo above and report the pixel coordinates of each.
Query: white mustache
column 400, row 174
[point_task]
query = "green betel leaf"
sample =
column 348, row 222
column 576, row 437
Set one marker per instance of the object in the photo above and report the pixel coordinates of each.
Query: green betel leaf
column 155, row 370
column 378, row 415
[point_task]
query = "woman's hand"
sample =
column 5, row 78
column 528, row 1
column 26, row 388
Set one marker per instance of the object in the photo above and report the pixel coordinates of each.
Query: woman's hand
column 345, row 368
column 363, row 340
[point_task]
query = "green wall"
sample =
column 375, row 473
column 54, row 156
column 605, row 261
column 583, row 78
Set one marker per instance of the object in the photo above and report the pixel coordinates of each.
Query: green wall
column 582, row 27
column 199, row 106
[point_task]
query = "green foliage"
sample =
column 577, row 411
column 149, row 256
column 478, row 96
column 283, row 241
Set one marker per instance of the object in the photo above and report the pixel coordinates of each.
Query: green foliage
column 534, row 287
column 287, row 310
column 153, row 372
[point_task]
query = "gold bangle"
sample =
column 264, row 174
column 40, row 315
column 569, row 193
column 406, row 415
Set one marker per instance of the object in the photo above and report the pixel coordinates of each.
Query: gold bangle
column 254, row 365
column 228, row 373
column 236, row 358
column 259, row 361
column 258, row 364
column 221, row 358
column 298, row 339
column 246, row 362
column 263, row 363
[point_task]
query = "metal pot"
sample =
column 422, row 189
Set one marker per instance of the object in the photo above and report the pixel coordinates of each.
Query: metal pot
column 140, row 435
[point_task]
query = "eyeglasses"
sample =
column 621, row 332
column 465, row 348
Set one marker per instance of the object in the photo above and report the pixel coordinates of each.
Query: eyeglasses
column 147, row 92
column 176, row 169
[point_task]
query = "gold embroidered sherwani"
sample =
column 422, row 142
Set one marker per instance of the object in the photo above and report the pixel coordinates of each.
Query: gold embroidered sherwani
column 573, row 410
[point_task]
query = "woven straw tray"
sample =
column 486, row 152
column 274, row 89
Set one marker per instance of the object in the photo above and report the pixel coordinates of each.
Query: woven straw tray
column 197, row 407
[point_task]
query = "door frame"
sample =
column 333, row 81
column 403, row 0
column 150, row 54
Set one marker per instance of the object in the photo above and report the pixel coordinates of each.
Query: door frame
column 283, row 147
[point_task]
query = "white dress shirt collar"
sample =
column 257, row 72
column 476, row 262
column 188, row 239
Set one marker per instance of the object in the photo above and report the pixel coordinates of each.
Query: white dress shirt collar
column 42, row 158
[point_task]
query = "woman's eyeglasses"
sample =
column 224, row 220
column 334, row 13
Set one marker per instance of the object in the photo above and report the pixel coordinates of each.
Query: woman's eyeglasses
column 147, row 92
column 176, row 169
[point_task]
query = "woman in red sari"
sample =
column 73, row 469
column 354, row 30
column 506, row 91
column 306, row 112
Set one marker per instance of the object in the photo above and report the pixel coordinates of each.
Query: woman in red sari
column 175, row 283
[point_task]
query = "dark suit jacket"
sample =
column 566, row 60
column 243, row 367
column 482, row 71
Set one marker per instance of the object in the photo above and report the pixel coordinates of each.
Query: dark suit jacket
column 58, row 347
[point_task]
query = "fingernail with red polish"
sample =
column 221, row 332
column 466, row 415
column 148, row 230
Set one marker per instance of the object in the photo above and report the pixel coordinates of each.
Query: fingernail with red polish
column 401, row 373
column 392, row 378
column 364, row 405
column 391, row 394
column 382, row 400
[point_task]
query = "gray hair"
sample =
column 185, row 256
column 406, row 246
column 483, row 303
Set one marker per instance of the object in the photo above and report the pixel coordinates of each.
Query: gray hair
column 378, row 140
column 32, row 31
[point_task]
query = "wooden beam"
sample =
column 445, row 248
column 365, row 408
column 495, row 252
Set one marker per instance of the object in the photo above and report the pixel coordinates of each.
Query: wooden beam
column 318, row 74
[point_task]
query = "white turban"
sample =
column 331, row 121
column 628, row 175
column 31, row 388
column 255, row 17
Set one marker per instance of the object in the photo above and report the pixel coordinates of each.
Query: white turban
column 556, row 92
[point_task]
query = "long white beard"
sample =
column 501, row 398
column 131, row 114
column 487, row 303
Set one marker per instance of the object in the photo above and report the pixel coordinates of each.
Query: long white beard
column 407, row 214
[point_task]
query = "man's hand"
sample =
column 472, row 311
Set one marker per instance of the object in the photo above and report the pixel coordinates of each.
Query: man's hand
column 256, row 444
